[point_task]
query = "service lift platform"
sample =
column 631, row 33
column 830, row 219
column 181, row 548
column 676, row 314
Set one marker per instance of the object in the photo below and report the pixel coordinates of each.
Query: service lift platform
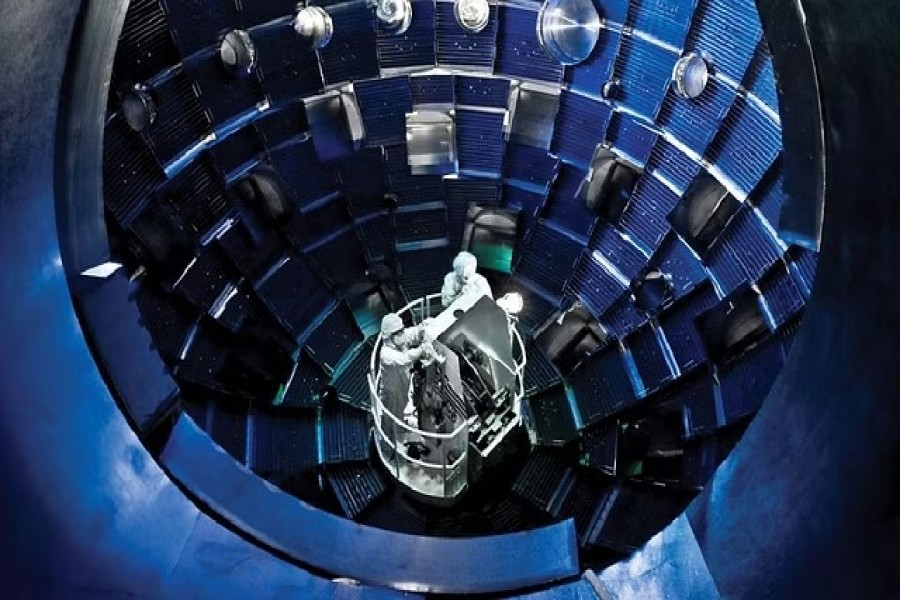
column 473, row 397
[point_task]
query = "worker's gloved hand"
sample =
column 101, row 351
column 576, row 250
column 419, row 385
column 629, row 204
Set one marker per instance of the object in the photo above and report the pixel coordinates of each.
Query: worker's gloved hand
column 430, row 354
column 425, row 336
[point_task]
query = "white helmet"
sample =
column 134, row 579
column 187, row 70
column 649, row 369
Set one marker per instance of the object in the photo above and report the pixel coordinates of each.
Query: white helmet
column 466, row 263
column 391, row 324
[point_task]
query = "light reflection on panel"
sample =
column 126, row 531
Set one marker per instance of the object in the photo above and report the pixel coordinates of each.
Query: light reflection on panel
column 431, row 143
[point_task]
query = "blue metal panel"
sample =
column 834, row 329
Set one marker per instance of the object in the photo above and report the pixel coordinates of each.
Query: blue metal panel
column 747, row 144
column 745, row 382
column 417, row 272
column 632, row 139
column 287, row 69
column 303, row 174
column 361, row 179
column 806, row 262
column 340, row 260
column 413, row 48
column 432, row 89
column 519, row 54
column 356, row 487
column 622, row 317
column 589, row 76
column 480, row 141
column 695, row 122
column 350, row 55
column 542, row 478
column 769, row 196
column 782, row 295
column 198, row 193
column 130, row 171
column 549, row 257
column 237, row 310
column 564, row 207
column 333, row 337
column 412, row 189
column 204, row 360
column 600, row 444
column 338, row 545
column 223, row 97
column 594, row 285
column 699, row 411
column 305, row 384
column 250, row 256
column 294, row 295
column 530, row 166
column 421, row 222
column 675, row 259
column 462, row 191
column 618, row 251
column 645, row 217
column 239, row 151
column 228, row 429
column 540, row 373
column 528, row 203
column 665, row 20
column 728, row 31
column 645, row 71
column 602, row 386
column 169, row 240
column 345, row 434
column 725, row 267
column 146, row 43
column 318, row 225
column 181, row 122
column 760, row 78
column 580, row 125
column 457, row 47
column 196, row 24
column 283, row 446
column 350, row 381
column 206, row 278
column 482, row 91
column 754, row 247
column 256, row 13
column 681, row 332
column 649, row 358
column 673, row 165
column 614, row 11
column 280, row 124
column 378, row 237
column 384, row 104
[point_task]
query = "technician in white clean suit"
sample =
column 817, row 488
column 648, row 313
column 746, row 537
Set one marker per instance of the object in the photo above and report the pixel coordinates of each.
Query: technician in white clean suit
column 464, row 280
column 401, row 348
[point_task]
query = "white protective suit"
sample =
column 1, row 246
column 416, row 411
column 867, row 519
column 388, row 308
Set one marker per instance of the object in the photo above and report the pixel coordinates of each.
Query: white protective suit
column 395, row 361
column 464, row 280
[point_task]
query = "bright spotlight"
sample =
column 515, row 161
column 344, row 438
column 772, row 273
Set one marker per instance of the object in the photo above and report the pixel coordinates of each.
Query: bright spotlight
column 512, row 303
